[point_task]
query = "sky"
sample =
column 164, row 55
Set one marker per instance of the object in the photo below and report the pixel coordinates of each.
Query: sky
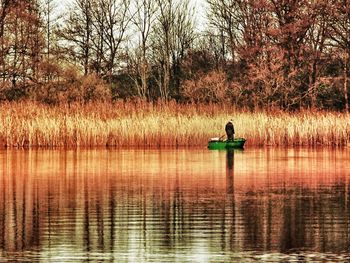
column 199, row 5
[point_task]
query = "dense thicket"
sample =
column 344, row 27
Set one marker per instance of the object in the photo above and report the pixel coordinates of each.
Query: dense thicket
column 287, row 54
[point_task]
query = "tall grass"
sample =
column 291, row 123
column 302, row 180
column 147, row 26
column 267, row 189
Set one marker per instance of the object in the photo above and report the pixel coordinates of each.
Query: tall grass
column 125, row 124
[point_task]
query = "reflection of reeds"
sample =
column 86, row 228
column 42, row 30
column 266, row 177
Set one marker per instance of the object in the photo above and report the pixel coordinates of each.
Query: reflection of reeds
column 147, row 124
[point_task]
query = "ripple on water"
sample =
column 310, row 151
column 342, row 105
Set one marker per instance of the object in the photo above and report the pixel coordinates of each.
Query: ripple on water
column 175, row 206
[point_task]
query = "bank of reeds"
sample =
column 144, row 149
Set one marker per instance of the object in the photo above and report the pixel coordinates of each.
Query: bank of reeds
column 126, row 124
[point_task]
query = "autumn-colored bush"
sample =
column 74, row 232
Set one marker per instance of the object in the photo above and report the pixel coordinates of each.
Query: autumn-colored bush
column 211, row 87
column 88, row 88
column 73, row 88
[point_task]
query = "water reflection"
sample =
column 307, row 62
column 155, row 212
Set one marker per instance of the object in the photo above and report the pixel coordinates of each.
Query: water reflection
column 230, row 172
column 174, row 205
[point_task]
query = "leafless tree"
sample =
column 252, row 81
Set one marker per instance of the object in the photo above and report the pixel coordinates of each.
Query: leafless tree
column 77, row 33
column 143, row 19
column 98, row 40
column 162, row 44
column 50, row 19
column 340, row 34
column 93, row 33
column 293, row 20
column 225, row 15
column 315, row 44
column 116, row 19
column 4, row 10
column 21, row 43
column 184, row 37
column 173, row 35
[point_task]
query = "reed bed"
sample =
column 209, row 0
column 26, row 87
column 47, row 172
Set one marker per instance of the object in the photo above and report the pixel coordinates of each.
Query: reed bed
column 140, row 124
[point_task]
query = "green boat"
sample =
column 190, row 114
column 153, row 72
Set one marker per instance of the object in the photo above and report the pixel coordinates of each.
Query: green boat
column 217, row 144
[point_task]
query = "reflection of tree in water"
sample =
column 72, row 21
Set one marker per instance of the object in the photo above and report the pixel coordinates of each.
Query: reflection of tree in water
column 316, row 218
column 301, row 219
column 253, row 216
column 109, row 213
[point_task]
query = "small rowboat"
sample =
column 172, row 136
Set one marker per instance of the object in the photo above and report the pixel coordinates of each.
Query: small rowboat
column 217, row 144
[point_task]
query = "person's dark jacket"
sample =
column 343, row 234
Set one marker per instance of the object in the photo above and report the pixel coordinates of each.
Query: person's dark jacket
column 230, row 130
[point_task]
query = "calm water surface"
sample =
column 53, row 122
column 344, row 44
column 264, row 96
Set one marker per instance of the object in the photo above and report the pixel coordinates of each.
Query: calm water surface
column 256, row 205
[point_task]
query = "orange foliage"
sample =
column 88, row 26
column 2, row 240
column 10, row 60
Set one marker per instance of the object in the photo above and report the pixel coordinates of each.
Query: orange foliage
column 212, row 87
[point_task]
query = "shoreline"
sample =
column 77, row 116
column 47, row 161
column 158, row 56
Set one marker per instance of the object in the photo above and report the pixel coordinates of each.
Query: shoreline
column 150, row 125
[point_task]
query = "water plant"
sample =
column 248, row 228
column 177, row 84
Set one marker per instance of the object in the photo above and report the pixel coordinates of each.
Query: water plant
column 143, row 124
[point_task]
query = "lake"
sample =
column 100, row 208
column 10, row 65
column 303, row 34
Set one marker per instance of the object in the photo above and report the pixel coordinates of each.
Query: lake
column 175, row 205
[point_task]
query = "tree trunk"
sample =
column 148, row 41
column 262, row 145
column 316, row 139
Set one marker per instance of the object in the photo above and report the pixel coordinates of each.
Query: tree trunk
column 144, row 70
column 48, row 32
column 312, row 84
column 346, row 83
column 4, row 10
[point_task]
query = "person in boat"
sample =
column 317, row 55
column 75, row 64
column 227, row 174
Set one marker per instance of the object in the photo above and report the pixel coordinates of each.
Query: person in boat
column 230, row 131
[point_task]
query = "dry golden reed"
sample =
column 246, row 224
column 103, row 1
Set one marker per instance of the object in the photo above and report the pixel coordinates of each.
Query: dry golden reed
column 141, row 124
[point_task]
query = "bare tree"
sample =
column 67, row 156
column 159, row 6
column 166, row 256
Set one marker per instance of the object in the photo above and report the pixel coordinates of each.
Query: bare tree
column 212, row 42
column 183, row 39
column 116, row 19
column 21, row 43
column 4, row 10
column 48, row 7
column 93, row 33
column 77, row 33
column 316, row 44
column 50, row 61
column 242, row 26
column 162, row 44
column 293, row 20
column 143, row 20
column 340, row 34
column 99, row 63
column 225, row 15
column 173, row 35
